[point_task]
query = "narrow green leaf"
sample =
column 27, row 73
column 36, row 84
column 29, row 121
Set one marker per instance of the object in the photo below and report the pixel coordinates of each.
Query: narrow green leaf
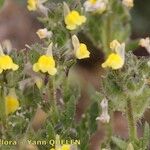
column 93, row 113
column 69, row 113
column 119, row 142
column 50, row 131
column 130, row 147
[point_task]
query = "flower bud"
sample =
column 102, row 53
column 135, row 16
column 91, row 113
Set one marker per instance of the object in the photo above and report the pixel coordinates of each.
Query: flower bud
column 145, row 43
column 104, row 117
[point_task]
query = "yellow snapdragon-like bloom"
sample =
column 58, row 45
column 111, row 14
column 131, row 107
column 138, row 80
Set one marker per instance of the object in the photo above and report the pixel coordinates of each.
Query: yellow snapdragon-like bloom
column 73, row 19
column 80, row 49
column 6, row 63
column 117, row 58
column 82, row 52
column 113, row 61
column 45, row 64
column 128, row 3
column 32, row 5
column 11, row 104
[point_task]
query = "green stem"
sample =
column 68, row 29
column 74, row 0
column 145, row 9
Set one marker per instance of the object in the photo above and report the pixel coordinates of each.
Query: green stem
column 110, row 132
column 131, row 121
column 107, row 33
column 2, row 110
column 53, row 100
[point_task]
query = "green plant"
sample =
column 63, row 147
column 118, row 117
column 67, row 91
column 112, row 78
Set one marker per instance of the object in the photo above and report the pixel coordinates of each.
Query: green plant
column 47, row 90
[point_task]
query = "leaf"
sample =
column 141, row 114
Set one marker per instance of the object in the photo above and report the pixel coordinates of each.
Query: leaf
column 33, row 56
column 143, row 102
column 93, row 113
column 132, row 45
column 68, row 115
column 83, row 133
column 50, row 131
column 130, row 147
column 119, row 142
column 95, row 96
column 146, row 136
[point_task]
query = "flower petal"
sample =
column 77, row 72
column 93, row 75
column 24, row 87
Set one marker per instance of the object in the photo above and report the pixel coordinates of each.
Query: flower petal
column 36, row 67
column 52, row 71
column 15, row 67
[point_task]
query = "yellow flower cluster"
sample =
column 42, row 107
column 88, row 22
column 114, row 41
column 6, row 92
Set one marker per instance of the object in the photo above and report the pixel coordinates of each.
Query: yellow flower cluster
column 6, row 63
column 46, row 63
column 73, row 19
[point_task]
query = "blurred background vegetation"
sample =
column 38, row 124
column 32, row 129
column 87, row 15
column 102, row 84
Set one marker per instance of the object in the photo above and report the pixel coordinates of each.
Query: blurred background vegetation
column 141, row 18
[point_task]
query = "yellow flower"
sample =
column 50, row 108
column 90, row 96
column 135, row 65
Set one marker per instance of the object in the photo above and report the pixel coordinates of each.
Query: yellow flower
column 117, row 58
column 73, row 19
column 32, row 5
column 82, row 52
column 6, row 63
column 11, row 103
column 80, row 49
column 128, row 3
column 114, row 61
column 45, row 64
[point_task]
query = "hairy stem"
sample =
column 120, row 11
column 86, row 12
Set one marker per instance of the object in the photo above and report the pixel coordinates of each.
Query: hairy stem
column 131, row 121
column 2, row 111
